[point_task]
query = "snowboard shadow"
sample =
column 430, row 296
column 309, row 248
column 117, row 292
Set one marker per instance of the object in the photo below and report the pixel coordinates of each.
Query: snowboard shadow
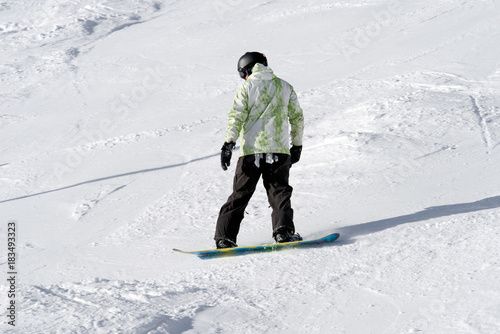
column 348, row 232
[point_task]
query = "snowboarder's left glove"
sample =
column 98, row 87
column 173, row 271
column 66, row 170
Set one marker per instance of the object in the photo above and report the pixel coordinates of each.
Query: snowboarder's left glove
column 225, row 155
column 295, row 152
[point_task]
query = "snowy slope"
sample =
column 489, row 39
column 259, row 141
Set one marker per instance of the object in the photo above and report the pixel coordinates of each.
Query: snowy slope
column 112, row 114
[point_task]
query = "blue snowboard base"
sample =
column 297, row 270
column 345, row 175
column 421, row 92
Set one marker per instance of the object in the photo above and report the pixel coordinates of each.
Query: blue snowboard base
column 210, row 253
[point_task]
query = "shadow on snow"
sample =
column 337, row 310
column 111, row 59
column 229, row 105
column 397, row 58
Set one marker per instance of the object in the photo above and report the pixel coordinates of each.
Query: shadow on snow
column 426, row 214
column 110, row 177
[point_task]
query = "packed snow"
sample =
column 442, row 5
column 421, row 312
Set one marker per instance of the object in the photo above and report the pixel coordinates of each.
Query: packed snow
column 112, row 115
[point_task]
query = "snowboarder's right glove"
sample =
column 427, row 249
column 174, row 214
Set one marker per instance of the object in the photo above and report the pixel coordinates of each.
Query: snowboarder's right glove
column 225, row 155
column 295, row 152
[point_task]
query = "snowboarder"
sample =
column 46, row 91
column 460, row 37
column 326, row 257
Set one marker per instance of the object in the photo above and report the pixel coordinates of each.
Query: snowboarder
column 267, row 114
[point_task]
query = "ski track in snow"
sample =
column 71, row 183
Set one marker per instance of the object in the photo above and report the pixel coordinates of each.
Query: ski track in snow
column 485, row 133
column 400, row 157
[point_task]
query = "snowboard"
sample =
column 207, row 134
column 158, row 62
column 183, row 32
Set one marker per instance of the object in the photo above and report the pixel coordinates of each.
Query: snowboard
column 210, row 253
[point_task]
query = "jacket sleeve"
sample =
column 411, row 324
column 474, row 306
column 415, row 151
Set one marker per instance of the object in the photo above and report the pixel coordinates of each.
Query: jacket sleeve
column 296, row 117
column 238, row 114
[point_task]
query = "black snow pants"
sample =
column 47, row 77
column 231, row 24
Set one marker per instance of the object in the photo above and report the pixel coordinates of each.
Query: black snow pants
column 275, row 177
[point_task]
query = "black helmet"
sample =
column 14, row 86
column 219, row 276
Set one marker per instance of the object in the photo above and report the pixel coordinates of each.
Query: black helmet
column 247, row 62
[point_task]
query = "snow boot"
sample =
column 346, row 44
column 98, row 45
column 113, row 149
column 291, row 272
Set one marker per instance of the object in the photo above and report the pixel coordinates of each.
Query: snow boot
column 284, row 235
column 225, row 243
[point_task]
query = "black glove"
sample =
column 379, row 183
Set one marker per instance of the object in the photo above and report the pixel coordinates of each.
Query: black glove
column 295, row 152
column 225, row 155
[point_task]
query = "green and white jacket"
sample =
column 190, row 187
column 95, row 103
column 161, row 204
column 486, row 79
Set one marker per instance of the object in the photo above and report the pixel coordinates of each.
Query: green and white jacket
column 266, row 113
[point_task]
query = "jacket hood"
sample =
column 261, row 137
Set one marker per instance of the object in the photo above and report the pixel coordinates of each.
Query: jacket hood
column 261, row 72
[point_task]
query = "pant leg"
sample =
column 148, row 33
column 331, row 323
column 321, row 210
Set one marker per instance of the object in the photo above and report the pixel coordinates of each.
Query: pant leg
column 279, row 192
column 231, row 214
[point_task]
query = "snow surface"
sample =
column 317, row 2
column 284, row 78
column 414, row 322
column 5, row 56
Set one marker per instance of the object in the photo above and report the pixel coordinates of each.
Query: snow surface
column 112, row 114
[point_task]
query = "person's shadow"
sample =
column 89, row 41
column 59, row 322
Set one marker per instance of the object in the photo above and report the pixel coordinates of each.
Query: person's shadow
column 349, row 232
